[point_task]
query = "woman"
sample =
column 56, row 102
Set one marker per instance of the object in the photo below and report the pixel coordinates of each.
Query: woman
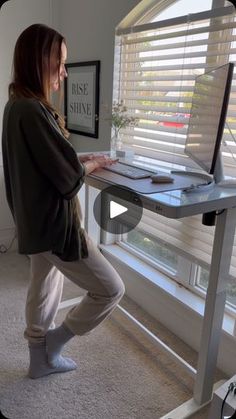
column 42, row 178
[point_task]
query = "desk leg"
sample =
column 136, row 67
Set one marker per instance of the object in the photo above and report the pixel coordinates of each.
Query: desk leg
column 90, row 224
column 215, row 303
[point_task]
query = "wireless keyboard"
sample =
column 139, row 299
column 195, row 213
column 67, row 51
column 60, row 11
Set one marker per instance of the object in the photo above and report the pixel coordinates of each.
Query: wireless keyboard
column 129, row 171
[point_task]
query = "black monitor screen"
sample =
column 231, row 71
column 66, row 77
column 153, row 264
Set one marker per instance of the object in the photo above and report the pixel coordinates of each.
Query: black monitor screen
column 207, row 116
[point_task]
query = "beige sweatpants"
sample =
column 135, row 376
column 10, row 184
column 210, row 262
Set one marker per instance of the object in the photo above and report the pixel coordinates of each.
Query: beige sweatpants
column 94, row 274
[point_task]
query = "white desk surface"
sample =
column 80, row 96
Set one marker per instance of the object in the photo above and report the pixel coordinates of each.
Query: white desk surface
column 177, row 204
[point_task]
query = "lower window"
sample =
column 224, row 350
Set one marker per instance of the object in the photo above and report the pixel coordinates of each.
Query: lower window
column 173, row 265
column 203, row 279
column 152, row 248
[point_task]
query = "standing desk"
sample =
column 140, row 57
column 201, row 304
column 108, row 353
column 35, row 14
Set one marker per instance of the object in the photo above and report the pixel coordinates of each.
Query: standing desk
column 178, row 204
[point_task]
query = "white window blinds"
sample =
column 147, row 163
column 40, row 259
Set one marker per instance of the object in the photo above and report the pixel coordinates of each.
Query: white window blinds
column 155, row 68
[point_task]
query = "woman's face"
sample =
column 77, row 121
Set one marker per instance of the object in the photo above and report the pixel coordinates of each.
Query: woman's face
column 55, row 76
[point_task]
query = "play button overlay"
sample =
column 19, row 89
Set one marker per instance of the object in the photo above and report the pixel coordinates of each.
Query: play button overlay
column 118, row 210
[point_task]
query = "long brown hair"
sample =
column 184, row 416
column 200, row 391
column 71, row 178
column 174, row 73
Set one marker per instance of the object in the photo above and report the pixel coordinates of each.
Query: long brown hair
column 35, row 48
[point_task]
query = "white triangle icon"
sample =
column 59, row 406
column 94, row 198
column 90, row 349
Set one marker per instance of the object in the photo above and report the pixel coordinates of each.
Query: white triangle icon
column 116, row 209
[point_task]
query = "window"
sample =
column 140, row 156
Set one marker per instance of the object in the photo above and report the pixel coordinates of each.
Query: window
column 156, row 63
column 202, row 282
column 188, row 6
column 155, row 69
column 156, row 251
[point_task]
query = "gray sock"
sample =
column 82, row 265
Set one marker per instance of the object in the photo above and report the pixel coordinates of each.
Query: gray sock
column 39, row 366
column 55, row 341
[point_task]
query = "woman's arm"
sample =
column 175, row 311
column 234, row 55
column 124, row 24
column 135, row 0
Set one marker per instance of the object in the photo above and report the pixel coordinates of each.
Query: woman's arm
column 51, row 152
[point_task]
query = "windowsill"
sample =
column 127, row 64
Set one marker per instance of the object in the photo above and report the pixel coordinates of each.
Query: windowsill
column 184, row 296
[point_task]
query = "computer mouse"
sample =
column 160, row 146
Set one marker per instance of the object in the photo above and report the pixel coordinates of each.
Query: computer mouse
column 162, row 179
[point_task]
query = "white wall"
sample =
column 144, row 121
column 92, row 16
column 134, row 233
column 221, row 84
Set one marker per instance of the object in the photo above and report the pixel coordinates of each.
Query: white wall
column 15, row 16
column 89, row 28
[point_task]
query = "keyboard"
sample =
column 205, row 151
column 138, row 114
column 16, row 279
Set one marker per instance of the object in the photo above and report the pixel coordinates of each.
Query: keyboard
column 129, row 171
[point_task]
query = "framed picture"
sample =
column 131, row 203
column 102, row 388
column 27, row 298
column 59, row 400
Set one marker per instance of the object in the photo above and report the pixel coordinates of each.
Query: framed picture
column 82, row 98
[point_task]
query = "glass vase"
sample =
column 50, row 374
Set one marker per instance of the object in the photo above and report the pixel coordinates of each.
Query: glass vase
column 116, row 143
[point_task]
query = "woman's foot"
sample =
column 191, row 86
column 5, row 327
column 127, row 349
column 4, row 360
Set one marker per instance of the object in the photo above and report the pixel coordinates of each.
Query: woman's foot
column 55, row 341
column 39, row 366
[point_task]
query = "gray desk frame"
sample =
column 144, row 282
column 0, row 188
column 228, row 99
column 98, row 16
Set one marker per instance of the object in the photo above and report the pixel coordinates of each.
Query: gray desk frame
column 177, row 204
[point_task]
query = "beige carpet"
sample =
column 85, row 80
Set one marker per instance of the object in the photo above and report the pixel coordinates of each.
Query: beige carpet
column 121, row 375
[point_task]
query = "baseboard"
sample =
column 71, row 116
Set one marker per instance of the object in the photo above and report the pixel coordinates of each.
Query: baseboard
column 6, row 239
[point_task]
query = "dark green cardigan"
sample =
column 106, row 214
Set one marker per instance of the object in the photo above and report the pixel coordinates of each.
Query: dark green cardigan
column 42, row 176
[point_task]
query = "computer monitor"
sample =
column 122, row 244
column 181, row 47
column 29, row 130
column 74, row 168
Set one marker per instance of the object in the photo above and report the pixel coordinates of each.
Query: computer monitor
column 207, row 119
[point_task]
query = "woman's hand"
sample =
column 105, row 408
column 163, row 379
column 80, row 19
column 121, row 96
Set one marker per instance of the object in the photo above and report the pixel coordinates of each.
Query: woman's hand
column 97, row 162
column 104, row 160
column 86, row 157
